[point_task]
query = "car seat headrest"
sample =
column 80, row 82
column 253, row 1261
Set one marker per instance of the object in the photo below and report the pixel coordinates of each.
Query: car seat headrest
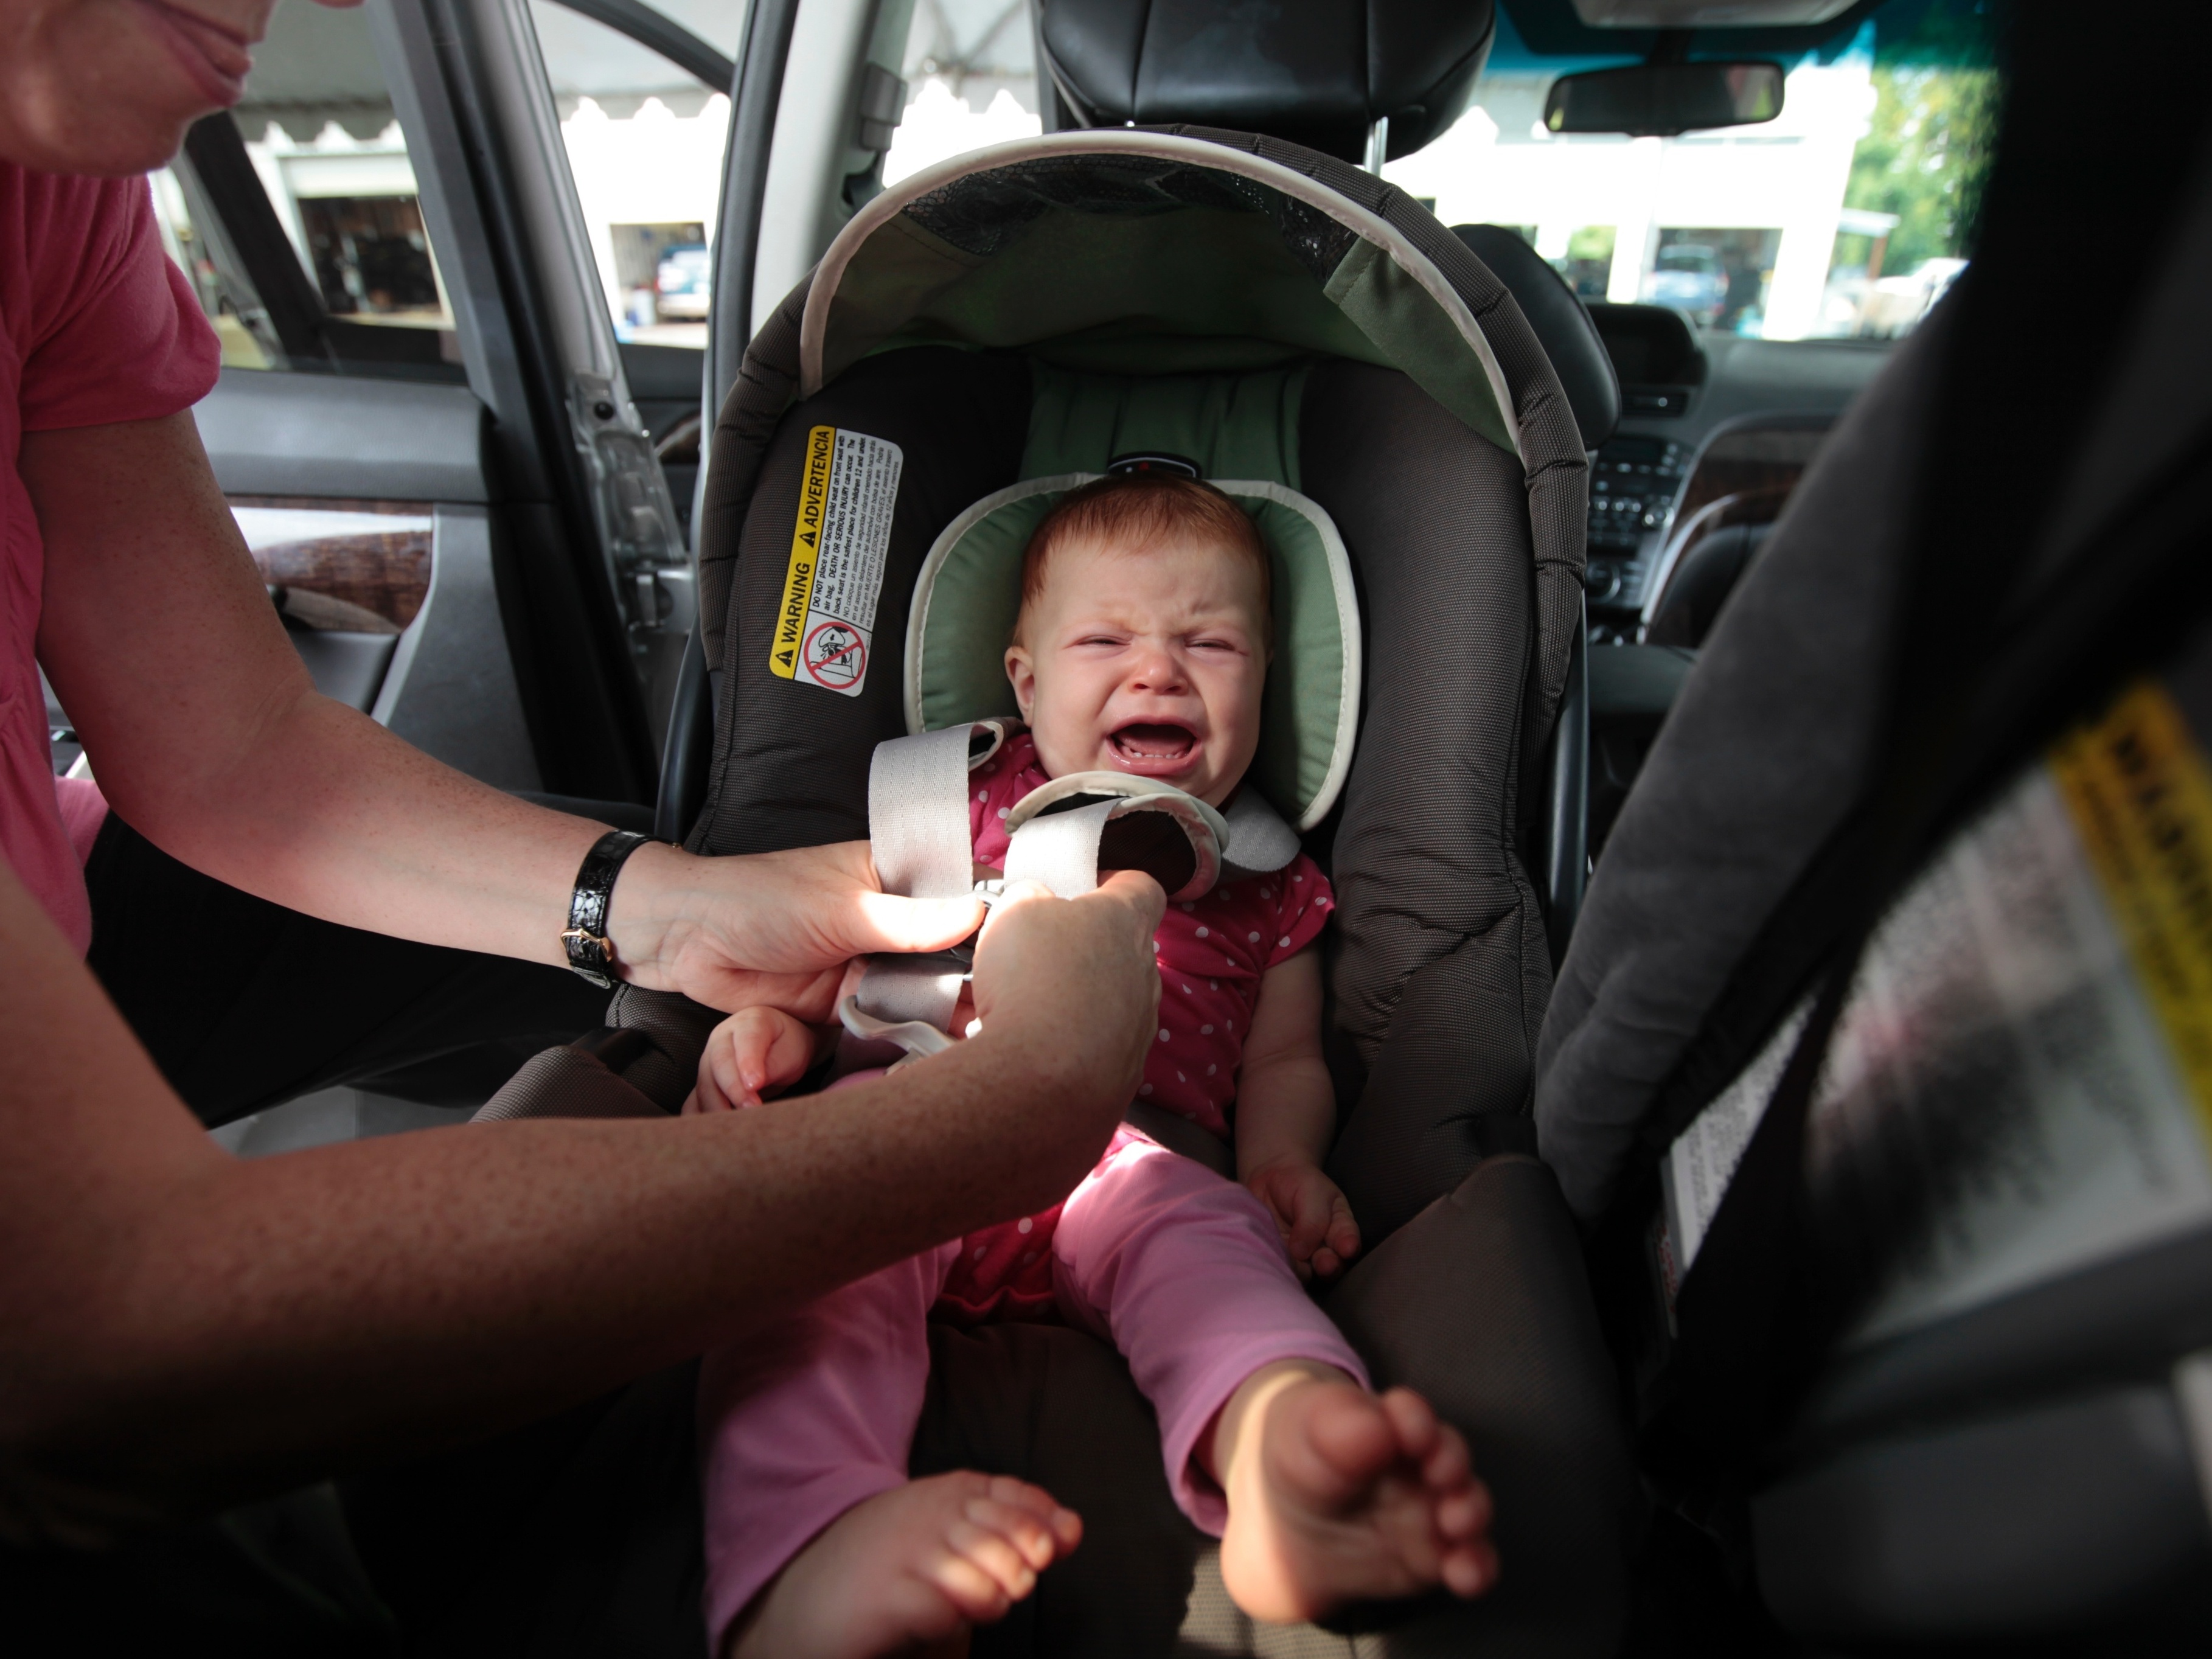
column 1145, row 254
column 1562, row 324
column 1316, row 72
column 969, row 591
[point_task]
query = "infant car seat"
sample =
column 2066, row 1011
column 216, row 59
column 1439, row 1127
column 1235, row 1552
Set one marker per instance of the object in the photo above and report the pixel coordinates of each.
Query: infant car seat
column 1250, row 311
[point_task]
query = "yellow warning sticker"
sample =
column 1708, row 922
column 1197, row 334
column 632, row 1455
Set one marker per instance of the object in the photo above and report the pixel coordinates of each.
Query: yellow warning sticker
column 825, row 625
column 805, row 549
column 2140, row 795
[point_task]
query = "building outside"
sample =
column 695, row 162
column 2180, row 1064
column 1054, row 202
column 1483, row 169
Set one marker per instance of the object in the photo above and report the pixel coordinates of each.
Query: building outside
column 1738, row 227
column 1746, row 228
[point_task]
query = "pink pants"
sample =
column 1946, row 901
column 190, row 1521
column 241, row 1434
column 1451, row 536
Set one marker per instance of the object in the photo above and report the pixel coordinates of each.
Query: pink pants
column 1181, row 1270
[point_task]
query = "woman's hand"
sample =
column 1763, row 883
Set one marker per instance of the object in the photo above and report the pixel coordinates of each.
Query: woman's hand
column 1074, row 979
column 767, row 929
column 1068, row 1000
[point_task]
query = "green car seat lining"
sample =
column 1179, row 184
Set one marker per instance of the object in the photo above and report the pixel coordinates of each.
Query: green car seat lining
column 1243, row 424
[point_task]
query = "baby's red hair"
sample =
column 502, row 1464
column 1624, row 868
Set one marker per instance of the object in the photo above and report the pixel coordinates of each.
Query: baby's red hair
column 1137, row 511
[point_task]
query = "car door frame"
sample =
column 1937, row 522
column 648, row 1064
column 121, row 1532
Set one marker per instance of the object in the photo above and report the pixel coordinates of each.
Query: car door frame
column 455, row 83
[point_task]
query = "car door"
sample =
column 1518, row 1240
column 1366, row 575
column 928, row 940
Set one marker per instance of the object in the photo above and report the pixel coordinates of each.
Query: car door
column 616, row 117
column 433, row 453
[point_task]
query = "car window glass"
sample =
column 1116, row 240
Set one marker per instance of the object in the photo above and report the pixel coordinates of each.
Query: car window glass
column 719, row 23
column 645, row 141
column 296, row 215
column 971, row 80
column 1847, row 217
column 192, row 235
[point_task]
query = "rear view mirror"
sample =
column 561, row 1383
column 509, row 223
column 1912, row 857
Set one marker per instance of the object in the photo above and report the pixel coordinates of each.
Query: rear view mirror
column 1660, row 99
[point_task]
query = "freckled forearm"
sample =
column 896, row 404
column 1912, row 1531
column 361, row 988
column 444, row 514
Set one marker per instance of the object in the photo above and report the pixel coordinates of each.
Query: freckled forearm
column 330, row 814
column 207, row 736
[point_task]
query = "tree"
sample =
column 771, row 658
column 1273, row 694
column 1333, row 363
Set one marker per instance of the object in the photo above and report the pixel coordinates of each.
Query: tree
column 1927, row 150
column 1926, row 157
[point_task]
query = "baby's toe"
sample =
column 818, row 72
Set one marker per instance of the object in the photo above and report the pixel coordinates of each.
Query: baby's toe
column 1351, row 1431
column 1447, row 1467
column 1020, row 1494
column 995, row 1554
column 1469, row 1570
column 1065, row 1525
column 1028, row 1534
column 973, row 1593
column 1413, row 1423
column 1464, row 1514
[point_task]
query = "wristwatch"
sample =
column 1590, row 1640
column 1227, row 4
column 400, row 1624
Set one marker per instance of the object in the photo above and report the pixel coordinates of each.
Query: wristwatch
column 591, row 953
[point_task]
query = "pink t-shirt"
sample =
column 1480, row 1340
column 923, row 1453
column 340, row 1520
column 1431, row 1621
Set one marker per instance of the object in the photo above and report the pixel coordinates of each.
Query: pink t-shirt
column 1213, row 953
column 96, row 327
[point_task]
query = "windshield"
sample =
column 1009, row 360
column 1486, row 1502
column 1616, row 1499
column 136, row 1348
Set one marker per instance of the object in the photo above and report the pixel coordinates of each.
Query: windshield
column 1846, row 216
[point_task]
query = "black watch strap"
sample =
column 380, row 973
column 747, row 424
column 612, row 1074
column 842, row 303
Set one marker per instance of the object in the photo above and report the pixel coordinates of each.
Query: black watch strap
column 590, row 951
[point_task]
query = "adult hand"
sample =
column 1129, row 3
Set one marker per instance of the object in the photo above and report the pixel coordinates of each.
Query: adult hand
column 1070, row 986
column 767, row 929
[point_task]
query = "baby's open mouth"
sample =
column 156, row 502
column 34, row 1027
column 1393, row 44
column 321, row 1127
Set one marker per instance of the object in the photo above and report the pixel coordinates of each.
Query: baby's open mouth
column 1146, row 742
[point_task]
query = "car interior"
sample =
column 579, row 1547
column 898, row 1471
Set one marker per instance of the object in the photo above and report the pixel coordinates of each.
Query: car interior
column 520, row 481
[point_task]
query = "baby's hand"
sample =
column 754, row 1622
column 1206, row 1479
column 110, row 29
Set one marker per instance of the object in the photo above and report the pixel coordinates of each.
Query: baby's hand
column 755, row 1049
column 1315, row 1219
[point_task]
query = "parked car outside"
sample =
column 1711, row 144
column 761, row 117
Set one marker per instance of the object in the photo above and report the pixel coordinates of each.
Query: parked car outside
column 685, row 286
column 1690, row 276
column 1896, row 304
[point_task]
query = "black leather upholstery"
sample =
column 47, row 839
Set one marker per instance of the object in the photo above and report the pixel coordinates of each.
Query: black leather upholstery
column 1317, row 72
column 1562, row 322
column 1701, row 583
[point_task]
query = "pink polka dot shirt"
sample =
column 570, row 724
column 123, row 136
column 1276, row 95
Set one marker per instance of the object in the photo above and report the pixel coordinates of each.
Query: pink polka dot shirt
column 1212, row 952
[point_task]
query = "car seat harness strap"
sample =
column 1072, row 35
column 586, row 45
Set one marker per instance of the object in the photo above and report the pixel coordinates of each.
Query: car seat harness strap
column 1060, row 835
column 917, row 808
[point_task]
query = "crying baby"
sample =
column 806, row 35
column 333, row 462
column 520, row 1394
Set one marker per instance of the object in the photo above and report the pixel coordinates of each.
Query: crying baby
column 1141, row 647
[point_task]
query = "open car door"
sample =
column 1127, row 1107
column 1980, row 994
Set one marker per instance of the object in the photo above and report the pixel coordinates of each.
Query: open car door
column 424, row 423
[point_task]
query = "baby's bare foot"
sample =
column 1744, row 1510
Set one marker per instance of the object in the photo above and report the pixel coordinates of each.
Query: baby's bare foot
column 1342, row 1496
column 915, row 1565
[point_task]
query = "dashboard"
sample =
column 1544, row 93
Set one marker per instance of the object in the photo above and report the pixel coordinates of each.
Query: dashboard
column 1635, row 485
column 1706, row 418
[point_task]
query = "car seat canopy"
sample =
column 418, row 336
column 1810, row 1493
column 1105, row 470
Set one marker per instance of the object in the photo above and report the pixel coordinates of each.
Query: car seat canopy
column 1134, row 251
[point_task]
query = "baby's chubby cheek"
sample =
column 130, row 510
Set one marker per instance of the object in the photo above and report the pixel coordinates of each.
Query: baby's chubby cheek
column 1066, row 741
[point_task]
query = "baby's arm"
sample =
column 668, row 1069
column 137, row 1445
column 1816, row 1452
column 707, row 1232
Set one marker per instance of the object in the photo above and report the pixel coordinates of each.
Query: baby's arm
column 1286, row 1116
column 755, row 1049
